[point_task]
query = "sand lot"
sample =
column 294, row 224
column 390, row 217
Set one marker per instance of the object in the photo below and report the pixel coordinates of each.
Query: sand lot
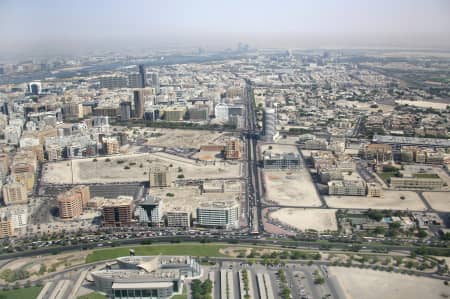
column 83, row 171
column 370, row 284
column 390, row 200
column 291, row 188
column 438, row 200
column 303, row 219
column 423, row 104
column 179, row 138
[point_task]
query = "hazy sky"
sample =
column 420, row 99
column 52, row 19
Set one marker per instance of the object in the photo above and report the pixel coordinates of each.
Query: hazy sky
column 63, row 24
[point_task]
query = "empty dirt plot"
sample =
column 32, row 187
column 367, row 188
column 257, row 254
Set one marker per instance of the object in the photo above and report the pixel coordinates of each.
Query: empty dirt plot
column 370, row 284
column 304, row 219
column 133, row 168
column 177, row 137
column 439, row 201
column 291, row 188
column 393, row 200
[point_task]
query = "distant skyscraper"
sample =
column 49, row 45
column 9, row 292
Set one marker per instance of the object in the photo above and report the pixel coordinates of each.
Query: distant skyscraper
column 138, row 96
column 143, row 76
column 155, row 82
column 35, row 88
column 125, row 111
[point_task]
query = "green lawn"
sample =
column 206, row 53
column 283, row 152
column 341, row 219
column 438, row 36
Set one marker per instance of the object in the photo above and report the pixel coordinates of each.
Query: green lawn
column 426, row 175
column 175, row 249
column 93, row 295
column 25, row 293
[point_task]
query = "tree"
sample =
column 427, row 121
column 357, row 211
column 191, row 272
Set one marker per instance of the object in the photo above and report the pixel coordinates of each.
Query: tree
column 319, row 280
column 421, row 233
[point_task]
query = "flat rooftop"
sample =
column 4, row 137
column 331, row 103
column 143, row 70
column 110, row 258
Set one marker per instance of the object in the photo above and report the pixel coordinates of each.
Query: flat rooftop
column 411, row 140
column 141, row 285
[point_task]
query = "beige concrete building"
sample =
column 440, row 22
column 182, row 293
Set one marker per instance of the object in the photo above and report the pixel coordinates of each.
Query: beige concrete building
column 118, row 212
column 24, row 174
column 159, row 176
column 14, row 193
column 416, row 183
column 72, row 202
column 233, row 150
column 347, row 187
column 374, row 190
column 6, row 227
column 111, row 146
column 178, row 217
column 174, row 113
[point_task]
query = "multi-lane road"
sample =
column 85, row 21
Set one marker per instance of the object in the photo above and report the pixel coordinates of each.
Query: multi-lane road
column 251, row 136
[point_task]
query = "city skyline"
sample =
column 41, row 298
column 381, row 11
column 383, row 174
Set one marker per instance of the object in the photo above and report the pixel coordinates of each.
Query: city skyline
column 70, row 28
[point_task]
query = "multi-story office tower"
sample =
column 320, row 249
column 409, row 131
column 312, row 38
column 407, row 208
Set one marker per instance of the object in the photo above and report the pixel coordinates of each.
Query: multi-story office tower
column 6, row 227
column 150, row 211
column 111, row 146
column 416, row 183
column 72, row 202
column 73, row 110
column 233, row 150
column 346, row 187
column 221, row 112
column 281, row 161
column 138, row 97
column 35, row 88
column 125, row 111
column 155, row 82
column 142, row 76
column 174, row 113
column 159, row 176
column 14, row 193
column 178, row 217
column 118, row 212
column 270, row 124
column 113, row 82
column 134, row 80
column 224, row 214
column 69, row 205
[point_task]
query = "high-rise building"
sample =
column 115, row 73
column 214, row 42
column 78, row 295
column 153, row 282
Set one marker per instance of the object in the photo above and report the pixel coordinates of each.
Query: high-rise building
column 125, row 111
column 221, row 112
column 150, row 211
column 134, row 80
column 6, row 227
column 72, row 202
column 118, row 212
column 111, row 145
column 159, row 176
column 14, row 193
column 270, row 124
column 174, row 113
column 73, row 110
column 138, row 97
column 224, row 214
column 113, row 82
column 35, row 88
column 233, row 150
column 69, row 205
column 143, row 76
column 155, row 82
column 178, row 217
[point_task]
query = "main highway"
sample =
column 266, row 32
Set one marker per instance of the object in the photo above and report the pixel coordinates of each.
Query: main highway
column 251, row 135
